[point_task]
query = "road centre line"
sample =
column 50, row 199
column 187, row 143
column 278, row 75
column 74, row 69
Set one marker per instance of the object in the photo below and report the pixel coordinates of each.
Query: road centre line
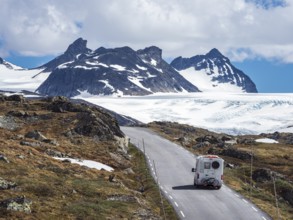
column 236, row 195
column 254, row 209
column 165, row 191
column 176, row 204
column 182, row 214
column 264, row 218
column 170, row 197
column 244, row 200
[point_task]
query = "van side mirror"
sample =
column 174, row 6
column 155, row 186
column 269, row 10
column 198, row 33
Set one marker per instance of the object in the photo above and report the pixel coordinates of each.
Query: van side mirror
column 192, row 170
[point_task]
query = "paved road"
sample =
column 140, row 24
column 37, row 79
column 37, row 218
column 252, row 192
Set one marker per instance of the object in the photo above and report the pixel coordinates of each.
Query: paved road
column 173, row 165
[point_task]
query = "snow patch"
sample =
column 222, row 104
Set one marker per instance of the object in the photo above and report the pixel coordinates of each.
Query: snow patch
column 204, row 82
column 87, row 163
column 267, row 141
column 106, row 82
column 85, row 67
column 141, row 67
column 64, row 65
column 154, row 62
column 137, row 82
column 118, row 67
column 21, row 79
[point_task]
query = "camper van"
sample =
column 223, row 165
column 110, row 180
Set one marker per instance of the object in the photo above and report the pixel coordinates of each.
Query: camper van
column 208, row 171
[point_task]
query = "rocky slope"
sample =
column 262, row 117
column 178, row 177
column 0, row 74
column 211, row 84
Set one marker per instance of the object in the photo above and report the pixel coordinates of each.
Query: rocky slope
column 35, row 185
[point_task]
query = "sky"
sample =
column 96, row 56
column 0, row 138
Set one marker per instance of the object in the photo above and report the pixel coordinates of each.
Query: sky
column 256, row 35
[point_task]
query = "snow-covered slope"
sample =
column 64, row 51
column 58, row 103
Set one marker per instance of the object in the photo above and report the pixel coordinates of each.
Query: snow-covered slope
column 213, row 72
column 229, row 113
column 15, row 78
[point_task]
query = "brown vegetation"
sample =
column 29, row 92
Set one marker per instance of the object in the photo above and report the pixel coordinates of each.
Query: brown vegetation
column 32, row 131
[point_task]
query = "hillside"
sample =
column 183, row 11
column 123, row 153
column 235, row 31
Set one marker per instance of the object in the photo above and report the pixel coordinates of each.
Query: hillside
column 272, row 160
column 34, row 185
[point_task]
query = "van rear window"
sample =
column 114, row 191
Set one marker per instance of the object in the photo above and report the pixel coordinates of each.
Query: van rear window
column 207, row 165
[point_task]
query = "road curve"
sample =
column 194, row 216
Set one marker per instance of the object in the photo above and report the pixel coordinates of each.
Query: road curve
column 173, row 167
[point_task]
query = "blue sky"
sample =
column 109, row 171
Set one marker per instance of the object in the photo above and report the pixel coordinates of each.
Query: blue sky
column 256, row 35
column 269, row 76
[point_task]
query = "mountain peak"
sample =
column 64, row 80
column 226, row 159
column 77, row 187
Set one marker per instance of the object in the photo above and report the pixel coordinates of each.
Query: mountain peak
column 213, row 72
column 78, row 46
column 151, row 52
column 214, row 53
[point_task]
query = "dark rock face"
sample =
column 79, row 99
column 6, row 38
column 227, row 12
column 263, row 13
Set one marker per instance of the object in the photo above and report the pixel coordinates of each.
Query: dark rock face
column 62, row 104
column 1, row 60
column 101, row 127
column 15, row 98
column 108, row 71
column 219, row 67
column 74, row 49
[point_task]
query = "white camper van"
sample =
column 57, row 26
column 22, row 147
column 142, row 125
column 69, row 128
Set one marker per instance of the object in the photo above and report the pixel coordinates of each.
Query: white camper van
column 208, row 171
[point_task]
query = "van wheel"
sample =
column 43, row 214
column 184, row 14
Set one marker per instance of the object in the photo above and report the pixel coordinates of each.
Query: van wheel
column 195, row 185
column 218, row 187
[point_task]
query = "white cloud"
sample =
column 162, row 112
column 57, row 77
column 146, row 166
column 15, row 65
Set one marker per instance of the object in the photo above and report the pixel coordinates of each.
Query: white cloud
column 179, row 27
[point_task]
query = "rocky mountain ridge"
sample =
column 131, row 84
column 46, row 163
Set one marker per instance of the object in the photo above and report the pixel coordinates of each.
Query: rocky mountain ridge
column 214, row 72
column 124, row 71
column 120, row 71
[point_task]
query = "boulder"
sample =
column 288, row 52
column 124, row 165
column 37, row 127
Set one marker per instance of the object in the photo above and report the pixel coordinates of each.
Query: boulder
column 230, row 165
column 3, row 158
column 52, row 142
column 201, row 145
column 16, row 98
column 4, row 184
column 141, row 214
column 209, row 138
column 54, row 153
column 30, row 144
column 226, row 138
column 101, row 126
column 19, row 114
column 20, row 204
column 35, row 135
column 61, row 104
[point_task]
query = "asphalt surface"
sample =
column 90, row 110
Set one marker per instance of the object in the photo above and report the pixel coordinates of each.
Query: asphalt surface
column 173, row 168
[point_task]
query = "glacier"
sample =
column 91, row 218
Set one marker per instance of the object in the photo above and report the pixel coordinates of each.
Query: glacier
column 230, row 113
